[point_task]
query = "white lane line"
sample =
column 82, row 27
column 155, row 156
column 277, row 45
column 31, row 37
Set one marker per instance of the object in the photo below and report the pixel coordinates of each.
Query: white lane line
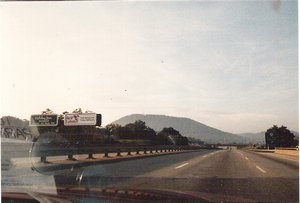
column 182, row 165
column 246, row 158
column 204, row 156
column 262, row 170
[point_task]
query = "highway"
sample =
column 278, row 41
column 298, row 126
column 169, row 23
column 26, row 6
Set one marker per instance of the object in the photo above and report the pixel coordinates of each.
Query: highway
column 225, row 172
column 220, row 173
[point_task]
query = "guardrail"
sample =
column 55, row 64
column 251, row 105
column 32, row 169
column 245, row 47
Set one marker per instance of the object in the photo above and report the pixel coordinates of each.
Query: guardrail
column 286, row 148
column 44, row 151
column 263, row 150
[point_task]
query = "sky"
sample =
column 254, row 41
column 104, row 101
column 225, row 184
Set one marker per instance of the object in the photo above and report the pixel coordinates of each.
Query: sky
column 232, row 65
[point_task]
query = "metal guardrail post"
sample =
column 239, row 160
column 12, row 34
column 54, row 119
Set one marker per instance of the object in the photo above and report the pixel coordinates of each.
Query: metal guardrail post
column 71, row 158
column 129, row 152
column 43, row 159
column 145, row 151
column 106, row 153
column 119, row 152
column 91, row 156
column 137, row 151
column 151, row 152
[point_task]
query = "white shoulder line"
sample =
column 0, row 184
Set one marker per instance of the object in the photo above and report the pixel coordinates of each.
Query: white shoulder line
column 182, row 165
column 262, row 170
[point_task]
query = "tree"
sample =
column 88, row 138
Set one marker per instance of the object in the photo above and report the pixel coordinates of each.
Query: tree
column 279, row 137
column 139, row 130
column 113, row 128
column 170, row 131
column 174, row 137
column 193, row 140
column 119, row 131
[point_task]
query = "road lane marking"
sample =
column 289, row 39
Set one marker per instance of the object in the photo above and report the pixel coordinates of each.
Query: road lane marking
column 246, row 158
column 204, row 156
column 262, row 170
column 182, row 165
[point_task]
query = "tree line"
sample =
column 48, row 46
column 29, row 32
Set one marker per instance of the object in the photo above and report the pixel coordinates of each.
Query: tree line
column 139, row 131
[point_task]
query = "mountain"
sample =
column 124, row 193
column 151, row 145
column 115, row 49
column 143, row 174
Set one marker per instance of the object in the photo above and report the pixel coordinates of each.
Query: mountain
column 187, row 127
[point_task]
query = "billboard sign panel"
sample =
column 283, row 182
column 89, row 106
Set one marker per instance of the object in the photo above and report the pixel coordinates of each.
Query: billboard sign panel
column 74, row 119
column 44, row 120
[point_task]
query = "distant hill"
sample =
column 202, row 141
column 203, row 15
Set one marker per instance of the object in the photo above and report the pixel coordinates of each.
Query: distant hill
column 187, row 127
column 260, row 137
column 254, row 137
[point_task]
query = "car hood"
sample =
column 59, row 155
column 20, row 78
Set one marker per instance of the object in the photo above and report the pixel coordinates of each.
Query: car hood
column 121, row 195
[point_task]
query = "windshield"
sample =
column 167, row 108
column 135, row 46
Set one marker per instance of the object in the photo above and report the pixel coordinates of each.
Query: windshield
column 149, row 101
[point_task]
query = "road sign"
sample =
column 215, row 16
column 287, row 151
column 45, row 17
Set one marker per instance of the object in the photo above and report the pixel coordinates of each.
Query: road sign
column 75, row 119
column 44, row 120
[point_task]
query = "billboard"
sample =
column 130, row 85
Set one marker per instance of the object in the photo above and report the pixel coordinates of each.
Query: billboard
column 75, row 119
column 44, row 120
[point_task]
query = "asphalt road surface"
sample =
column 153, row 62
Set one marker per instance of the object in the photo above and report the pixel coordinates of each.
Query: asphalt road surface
column 225, row 172
column 221, row 173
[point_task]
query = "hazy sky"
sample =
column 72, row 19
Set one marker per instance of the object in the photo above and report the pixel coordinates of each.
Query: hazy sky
column 230, row 65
